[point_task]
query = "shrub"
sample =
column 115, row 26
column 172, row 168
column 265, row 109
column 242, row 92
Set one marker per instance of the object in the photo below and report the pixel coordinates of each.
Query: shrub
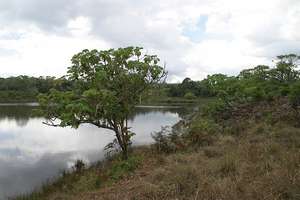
column 255, row 93
column 190, row 95
column 123, row 167
column 167, row 140
column 218, row 109
column 294, row 95
column 202, row 132
column 79, row 166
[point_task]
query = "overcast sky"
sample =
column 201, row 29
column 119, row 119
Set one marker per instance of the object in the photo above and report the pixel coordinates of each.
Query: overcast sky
column 194, row 37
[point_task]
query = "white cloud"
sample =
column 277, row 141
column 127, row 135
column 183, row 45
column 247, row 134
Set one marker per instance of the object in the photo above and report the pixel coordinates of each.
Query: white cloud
column 220, row 56
column 80, row 26
column 38, row 53
column 39, row 38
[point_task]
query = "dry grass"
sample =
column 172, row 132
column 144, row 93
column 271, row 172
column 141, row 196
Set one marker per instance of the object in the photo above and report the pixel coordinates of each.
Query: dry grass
column 255, row 166
column 251, row 167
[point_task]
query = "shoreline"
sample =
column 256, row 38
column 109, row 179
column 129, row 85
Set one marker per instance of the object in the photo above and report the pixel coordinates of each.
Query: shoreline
column 52, row 181
column 198, row 161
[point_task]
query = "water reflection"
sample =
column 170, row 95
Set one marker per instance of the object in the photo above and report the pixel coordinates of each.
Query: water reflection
column 19, row 114
column 31, row 152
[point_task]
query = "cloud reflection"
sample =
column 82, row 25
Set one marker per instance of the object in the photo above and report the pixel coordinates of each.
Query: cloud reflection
column 31, row 153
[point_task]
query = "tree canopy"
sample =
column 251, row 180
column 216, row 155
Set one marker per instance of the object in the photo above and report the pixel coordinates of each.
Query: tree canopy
column 106, row 87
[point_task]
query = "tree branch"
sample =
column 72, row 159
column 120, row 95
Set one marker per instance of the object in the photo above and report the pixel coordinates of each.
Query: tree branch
column 51, row 124
column 98, row 124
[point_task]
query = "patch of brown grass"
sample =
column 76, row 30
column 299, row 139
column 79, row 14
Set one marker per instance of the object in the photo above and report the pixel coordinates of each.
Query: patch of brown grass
column 250, row 168
column 257, row 165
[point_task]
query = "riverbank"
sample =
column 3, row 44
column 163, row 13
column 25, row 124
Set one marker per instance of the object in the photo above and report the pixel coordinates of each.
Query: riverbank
column 253, row 154
column 34, row 152
column 162, row 101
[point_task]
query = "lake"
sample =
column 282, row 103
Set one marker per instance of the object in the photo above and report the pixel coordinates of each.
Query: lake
column 32, row 153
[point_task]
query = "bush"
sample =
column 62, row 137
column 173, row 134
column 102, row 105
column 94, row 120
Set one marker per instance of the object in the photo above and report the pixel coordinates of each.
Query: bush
column 167, row 140
column 201, row 132
column 218, row 109
column 190, row 95
column 294, row 95
column 255, row 93
column 123, row 167
column 79, row 166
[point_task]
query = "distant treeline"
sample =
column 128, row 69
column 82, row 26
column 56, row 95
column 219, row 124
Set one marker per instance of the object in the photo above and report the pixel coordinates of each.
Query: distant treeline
column 26, row 89
column 258, row 83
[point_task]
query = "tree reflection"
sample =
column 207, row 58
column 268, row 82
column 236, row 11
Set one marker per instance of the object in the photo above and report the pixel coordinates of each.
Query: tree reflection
column 19, row 113
column 180, row 111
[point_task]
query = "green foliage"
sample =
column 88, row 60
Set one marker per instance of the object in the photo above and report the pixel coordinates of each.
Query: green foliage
column 294, row 94
column 198, row 88
column 26, row 89
column 256, row 84
column 204, row 125
column 216, row 107
column 189, row 95
column 124, row 167
column 166, row 140
column 202, row 132
column 218, row 82
column 106, row 87
column 254, row 93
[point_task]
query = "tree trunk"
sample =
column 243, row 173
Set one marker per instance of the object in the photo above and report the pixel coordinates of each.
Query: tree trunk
column 123, row 143
column 125, row 153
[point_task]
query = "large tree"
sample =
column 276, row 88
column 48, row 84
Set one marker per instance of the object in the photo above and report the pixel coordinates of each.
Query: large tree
column 106, row 87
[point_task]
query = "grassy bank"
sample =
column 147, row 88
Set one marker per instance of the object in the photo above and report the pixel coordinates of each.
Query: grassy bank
column 250, row 152
column 83, row 179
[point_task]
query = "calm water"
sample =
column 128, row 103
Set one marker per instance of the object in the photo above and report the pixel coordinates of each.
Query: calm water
column 31, row 153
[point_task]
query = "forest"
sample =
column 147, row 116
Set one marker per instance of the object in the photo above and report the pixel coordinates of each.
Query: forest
column 258, row 83
column 25, row 89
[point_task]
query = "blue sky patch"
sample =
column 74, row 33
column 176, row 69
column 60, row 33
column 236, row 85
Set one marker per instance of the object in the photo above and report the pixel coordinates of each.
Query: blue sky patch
column 196, row 33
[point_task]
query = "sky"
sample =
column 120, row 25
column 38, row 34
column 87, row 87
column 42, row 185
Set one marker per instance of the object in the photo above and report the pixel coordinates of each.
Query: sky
column 194, row 38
